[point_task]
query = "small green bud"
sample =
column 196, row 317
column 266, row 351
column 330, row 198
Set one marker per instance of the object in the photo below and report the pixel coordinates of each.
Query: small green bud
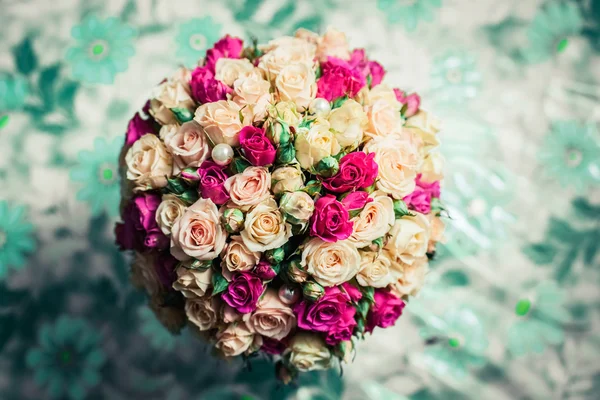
column 190, row 196
column 275, row 256
column 286, row 153
column 294, row 270
column 232, row 220
column 182, row 114
column 313, row 291
column 313, row 187
column 175, row 185
column 327, row 167
column 400, row 209
column 239, row 165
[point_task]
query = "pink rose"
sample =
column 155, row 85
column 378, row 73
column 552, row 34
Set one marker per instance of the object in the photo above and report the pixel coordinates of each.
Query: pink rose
column 139, row 229
column 385, row 311
column 358, row 170
column 227, row 47
column 359, row 62
column 353, row 291
column 139, row 126
column 356, row 200
column 411, row 102
column 333, row 314
column 243, row 292
column 207, row 89
column 420, row 199
column 265, row 271
column 339, row 79
column 330, row 220
column 212, row 182
column 377, row 73
column 256, row 147
column 188, row 146
column 249, row 188
column 272, row 346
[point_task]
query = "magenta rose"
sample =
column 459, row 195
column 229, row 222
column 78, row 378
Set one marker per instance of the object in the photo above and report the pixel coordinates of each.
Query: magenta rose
column 226, row 47
column 256, row 147
column 330, row 220
column 356, row 200
column 212, row 182
column 353, row 291
column 165, row 268
column 412, row 102
column 359, row 62
column 273, row 346
column 139, row 230
column 377, row 73
column 343, row 330
column 265, row 271
column 328, row 314
column 243, row 292
column 358, row 170
column 139, row 126
column 385, row 311
column 420, row 199
column 207, row 89
column 339, row 79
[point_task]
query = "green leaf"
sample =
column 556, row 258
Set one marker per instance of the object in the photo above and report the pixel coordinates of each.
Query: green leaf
column 219, row 283
column 4, row 121
column 586, row 210
column 283, row 14
column 368, row 292
column 591, row 248
column 239, row 165
column 455, row 278
column 47, row 83
column 65, row 96
column 540, row 253
column 312, row 23
column 559, row 229
column 25, row 58
column 338, row 102
column 175, row 185
column 363, row 307
column 564, row 268
column 182, row 114
column 401, row 209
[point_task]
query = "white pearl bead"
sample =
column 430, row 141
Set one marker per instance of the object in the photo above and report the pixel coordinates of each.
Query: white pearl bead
column 288, row 294
column 222, row 154
column 320, row 107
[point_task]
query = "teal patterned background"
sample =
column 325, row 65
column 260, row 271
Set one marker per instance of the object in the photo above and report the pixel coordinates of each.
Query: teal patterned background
column 511, row 308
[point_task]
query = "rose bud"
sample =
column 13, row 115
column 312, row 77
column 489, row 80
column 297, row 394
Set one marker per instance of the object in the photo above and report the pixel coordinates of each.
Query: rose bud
column 313, row 291
column 327, row 167
column 400, row 209
column 265, row 271
column 232, row 220
column 190, row 175
column 275, row 256
column 297, row 207
column 286, row 153
column 286, row 179
column 345, row 351
column 294, row 271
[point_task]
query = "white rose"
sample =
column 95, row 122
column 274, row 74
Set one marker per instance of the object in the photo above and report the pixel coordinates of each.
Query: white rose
column 283, row 112
column 330, row 264
column 286, row 179
column 188, row 145
column 348, row 122
column 314, row 144
column 374, row 221
column 149, row 163
column 223, row 120
column 265, row 228
column 272, row 317
column 297, row 83
column 235, row 339
column 198, row 233
column 173, row 93
column 409, row 238
column 374, row 270
column 382, row 92
column 409, row 278
column 168, row 211
column 193, row 282
column 309, row 352
column 384, row 119
column 202, row 311
column 237, row 257
column 333, row 44
column 143, row 273
column 283, row 52
column 228, row 70
column 398, row 160
column 297, row 207
column 433, row 167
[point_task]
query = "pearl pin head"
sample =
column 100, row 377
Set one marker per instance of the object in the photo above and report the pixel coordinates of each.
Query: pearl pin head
column 222, row 154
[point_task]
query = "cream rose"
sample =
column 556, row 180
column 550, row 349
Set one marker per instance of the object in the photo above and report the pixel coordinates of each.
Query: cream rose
column 143, row 274
column 173, row 93
column 297, row 207
column 235, row 339
column 193, row 282
column 409, row 238
column 384, row 119
column 188, row 146
column 398, row 160
column 333, row 44
column 253, row 92
column 409, row 278
column 433, row 167
column 374, row 221
column 149, row 163
column 314, row 144
column 167, row 130
column 374, row 269
column 168, row 211
column 265, row 228
column 424, row 121
column 283, row 52
column 307, row 35
column 237, row 257
column 198, row 233
column 222, row 121
column 283, row 112
column 382, row 92
column 202, row 312
column 297, row 83
column 272, row 318
column 437, row 232
column 228, row 70
column 348, row 123
column 309, row 352
column 330, row 264
column 250, row 187
column 286, row 179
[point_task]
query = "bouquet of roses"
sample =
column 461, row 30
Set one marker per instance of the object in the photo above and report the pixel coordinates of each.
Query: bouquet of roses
column 280, row 199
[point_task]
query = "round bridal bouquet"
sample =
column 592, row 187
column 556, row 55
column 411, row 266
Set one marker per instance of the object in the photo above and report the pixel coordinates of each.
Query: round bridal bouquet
column 280, row 199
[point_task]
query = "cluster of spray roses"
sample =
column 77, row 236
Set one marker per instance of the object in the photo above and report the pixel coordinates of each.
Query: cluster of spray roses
column 281, row 199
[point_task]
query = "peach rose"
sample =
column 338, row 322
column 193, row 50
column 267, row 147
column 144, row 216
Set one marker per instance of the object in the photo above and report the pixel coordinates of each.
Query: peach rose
column 235, row 339
column 297, row 83
column 330, row 264
column 409, row 238
column 143, row 273
column 149, row 164
column 333, row 44
column 398, row 160
column 222, row 121
column 250, row 187
column 169, row 211
column 348, row 123
column 286, row 179
column 193, row 282
column 437, row 232
column 198, row 233
column 172, row 93
column 433, row 167
column 272, row 318
column 228, row 70
column 314, row 144
column 188, row 145
column 409, row 278
column 283, row 52
column 384, row 119
column 254, row 92
column 374, row 221
column 237, row 257
column 202, row 311
column 374, row 269
column 265, row 228
column 309, row 352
